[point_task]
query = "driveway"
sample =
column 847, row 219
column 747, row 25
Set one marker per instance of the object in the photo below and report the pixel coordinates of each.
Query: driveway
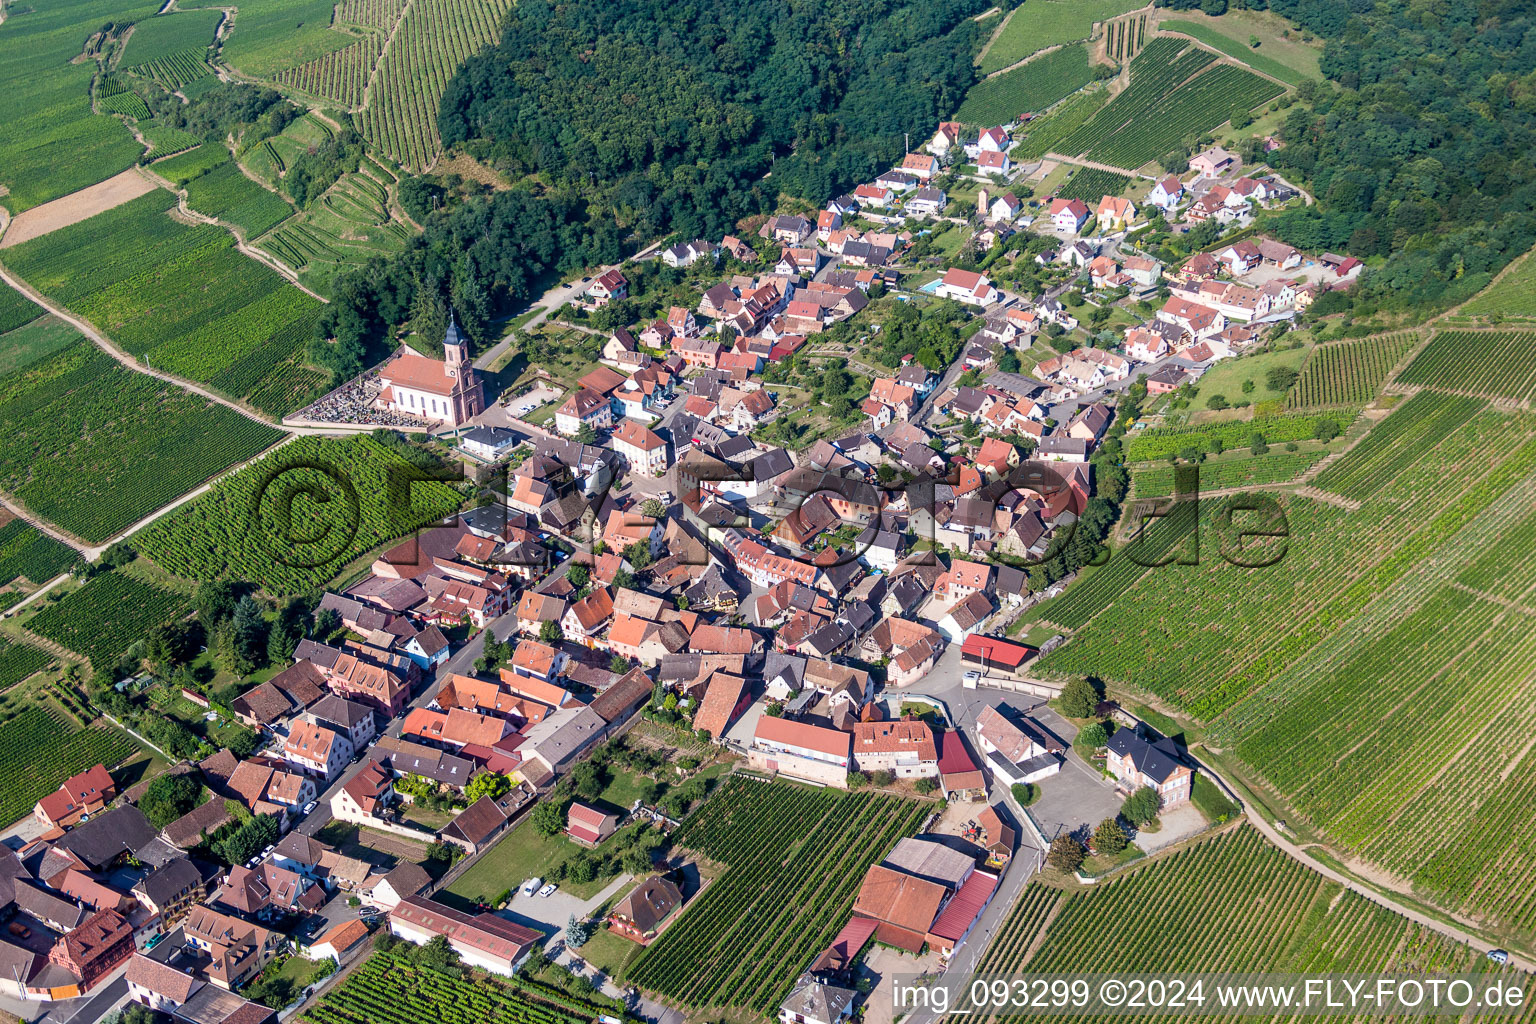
column 1075, row 799
column 550, row 914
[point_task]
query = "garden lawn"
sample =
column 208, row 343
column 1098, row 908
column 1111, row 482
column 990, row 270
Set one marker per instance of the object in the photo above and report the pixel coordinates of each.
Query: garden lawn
column 1289, row 60
column 1227, row 376
column 522, row 854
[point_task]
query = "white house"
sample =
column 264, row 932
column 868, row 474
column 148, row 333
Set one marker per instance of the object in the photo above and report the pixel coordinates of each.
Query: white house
column 488, row 443
column 1068, row 215
column 485, row 941
column 993, row 164
column 641, row 448
column 1015, row 748
column 317, row 749
column 967, row 286
column 1167, row 193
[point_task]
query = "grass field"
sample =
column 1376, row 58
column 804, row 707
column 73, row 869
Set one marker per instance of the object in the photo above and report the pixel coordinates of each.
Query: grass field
column 53, row 144
column 290, row 521
column 1042, row 23
column 1348, row 372
column 183, row 298
column 1035, row 86
column 795, row 859
column 1284, row 56
column 183, row 167
column 81, row 430
column 37, row 340
column 1275, row 915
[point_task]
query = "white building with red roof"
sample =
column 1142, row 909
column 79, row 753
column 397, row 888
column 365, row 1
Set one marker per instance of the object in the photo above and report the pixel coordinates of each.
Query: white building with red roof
column 801, row 750
column 642, row 449
column 967, row 286
column 447, row 391
column 1068, row 215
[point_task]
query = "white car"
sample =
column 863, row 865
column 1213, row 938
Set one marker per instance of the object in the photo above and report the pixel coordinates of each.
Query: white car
column 531, row 886
column 309, row 807
column 549, row 889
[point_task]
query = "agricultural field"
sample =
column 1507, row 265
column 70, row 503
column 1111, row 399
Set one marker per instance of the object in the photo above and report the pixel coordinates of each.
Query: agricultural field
column 1044, row 135
column 113, row 96
column 1495, row 364
column 53, row 144
column 1216, row 40
column 340, row 76
column 263, row 525
column 228, row 195
column 350, row 225
column 172, row 48
column 40, row 748
column 18, row 661
column 1125, row 37
column 28, row 553
column 1413, row 428
column 182, row 298
column 102, row 618
column 1177, row 90
column 434, row 38
column 1035, row 86
column 81, row 429
column 38, row 340
column 389, row 988
column 1512, row 298
column 1091, row 184
column 1343, row 674
column 1275, row 914
column 166, row 141
column 275, row 35
column 16, row 309
column 1160, row 442
column 1047, row 23
column 795, row 857
column 1348, row 372
column 1245, row 471
column 183, row 167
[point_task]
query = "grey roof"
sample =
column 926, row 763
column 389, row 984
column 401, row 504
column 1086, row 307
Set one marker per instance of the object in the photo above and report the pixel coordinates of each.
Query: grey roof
column 407, row 878
column 932, row 860
column 339, row 711
column 859, row 615
column 772, row 463
column 48, row 907
column 565, row 733
column 108, row 836
column 1011, row 580
column 320, row 654
column 164, row 884
column 829, row 638
column 817, row 1001
column 1058, row 444
column 496, row 437
column 790, row 666
column 1154, row 756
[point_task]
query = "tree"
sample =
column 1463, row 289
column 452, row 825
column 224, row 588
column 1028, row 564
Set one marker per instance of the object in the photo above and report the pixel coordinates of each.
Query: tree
column 653, row 508
column 550, row 632
column 618, row 664
column 491, row 784
column 585, row 434
column 1248, row 387
column 548, row 818
column 1008, row 362
column 1109, row 838
column 1326, row 430
column 1141, row 807
column 624, row 580
column 578, row 574
column 925, row 785
column 1093, row 735
column 1257, row 444
column 881, row 777
column 637, row 861
column 215, row 601
column 1025, row 793
column 326, row 623
column 170, row 644
column 1280, row 378
column 436, row 954
column 638, row 554
column 581, row 869
column 1217, row 402
column 1066, row 854
column 168, row 798
column 1079, row 698
column 577, row 932
column 248, row 839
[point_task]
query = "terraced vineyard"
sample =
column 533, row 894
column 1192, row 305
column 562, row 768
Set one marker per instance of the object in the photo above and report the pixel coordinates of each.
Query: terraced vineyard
column 1035, row 86
column 182, row 297
column 78, row 423
column 262, row 525
column 1175, row 92
column 1512, row 298
column 434, row 38
column 114, row 97
column 389, row 989
column 103, row 617
column 172, row 48
column 183, row 167
column 1045, row 135
column 349, row 226
column 176, row 71
column 1091, row 184
column 340, row 76
column 1274, row 914
column 796, row 858
column 1495, row 364
column 1397, row 442
column 1348, row 372
column 38, row 751
column 167, row 141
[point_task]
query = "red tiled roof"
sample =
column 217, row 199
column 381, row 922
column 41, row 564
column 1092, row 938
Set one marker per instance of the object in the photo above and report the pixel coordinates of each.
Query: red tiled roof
column 963, row 909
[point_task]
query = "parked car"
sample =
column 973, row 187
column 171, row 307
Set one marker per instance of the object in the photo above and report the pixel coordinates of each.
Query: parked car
column 548, row 889
column 1498, row 956
column 309, row 807
column 531, row 886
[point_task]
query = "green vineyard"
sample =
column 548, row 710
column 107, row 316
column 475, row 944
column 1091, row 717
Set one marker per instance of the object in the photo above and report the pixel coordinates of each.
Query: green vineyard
column 181, row 297
column 26, row 552
column 38, row 751
column 262, row 525
column 166, row 141
column 176, row 70
column 1157, row 482
column 78, row 422
column 1401, row 439
column 389, row 989
column 1091, row 184
column 114, row 97
column 1496, row 364
column 16, row 310
column 228, row 195
column 1175, row 92
column 103, row 617
column 340, row 76
column 1035, row 86
column 1348, row 372
column 349, row 226
column 1045, row 135
column 796, row 858
column 1231, row 904
column 1161, row 442
column 433, row 39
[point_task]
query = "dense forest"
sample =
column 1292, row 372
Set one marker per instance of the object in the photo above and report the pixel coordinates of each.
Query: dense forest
column 1424, row 153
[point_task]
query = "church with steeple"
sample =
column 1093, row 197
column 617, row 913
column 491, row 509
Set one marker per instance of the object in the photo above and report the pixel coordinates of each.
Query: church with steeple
column 445, row 392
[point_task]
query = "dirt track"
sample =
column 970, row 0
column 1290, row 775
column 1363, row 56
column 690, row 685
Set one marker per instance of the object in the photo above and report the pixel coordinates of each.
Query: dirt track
column 77, row 206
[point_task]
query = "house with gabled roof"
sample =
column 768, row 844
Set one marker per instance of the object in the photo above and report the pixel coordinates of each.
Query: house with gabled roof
column 1139, row 757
